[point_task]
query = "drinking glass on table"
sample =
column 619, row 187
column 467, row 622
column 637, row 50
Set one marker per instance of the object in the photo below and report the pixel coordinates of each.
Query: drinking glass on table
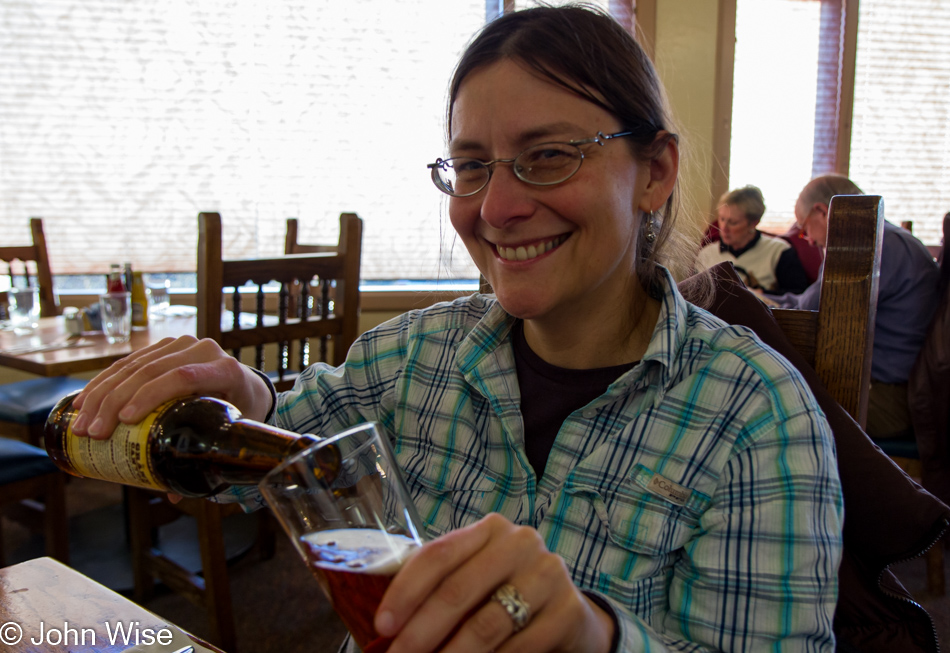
column 354, row 530
column 115, row 310
column 24, row 304
column 158, row 298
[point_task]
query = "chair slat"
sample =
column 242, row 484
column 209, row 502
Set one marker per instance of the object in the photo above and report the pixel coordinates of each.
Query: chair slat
column 837, row 339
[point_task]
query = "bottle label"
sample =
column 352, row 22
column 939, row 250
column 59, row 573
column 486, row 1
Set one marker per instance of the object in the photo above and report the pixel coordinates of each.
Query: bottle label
column 123, row 458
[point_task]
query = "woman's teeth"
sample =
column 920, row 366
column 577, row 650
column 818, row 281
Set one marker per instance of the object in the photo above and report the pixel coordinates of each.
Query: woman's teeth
column 531, row 251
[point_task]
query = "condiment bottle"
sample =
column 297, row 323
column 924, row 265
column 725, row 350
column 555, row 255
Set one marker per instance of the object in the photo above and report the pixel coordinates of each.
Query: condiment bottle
column 139, row 301
column 192, row 446
column 114, row 283
column 127, row 276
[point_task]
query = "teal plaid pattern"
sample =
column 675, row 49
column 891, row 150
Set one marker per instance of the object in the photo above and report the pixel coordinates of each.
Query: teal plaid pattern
column 741, row 554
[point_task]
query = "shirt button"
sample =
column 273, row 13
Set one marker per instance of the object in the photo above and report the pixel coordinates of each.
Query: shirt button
column 589, row 413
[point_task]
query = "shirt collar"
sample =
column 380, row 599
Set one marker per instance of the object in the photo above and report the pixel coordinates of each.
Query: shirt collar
column 739, row 252
column 494, row 328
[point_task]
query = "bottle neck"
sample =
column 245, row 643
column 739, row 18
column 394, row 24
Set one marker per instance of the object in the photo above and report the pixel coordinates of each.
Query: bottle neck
column 249, row 450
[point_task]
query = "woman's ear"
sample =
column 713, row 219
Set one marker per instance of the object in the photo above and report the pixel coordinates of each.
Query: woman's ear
column 663, row 169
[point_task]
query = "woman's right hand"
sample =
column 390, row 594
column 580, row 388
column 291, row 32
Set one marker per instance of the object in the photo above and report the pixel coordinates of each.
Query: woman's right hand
column 134, row 386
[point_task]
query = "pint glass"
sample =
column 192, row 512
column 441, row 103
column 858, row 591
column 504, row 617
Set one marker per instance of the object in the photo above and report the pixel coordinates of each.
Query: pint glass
column 354, row 530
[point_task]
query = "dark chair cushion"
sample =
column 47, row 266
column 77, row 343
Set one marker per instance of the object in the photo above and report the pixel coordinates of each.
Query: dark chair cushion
column 30, row 402
column 888, row 517
column 20, row 461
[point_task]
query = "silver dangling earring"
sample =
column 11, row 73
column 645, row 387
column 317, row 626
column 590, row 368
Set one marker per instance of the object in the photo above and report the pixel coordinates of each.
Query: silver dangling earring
column 650, row 234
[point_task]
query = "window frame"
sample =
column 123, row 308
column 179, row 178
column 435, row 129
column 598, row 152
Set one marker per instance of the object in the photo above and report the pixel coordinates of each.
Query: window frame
column 722, row 106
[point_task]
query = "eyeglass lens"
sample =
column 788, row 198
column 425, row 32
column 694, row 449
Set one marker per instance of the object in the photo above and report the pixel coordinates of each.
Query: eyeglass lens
column 543, row 165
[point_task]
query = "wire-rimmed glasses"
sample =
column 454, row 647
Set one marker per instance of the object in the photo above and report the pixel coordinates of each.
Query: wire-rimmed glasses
column 544, row 164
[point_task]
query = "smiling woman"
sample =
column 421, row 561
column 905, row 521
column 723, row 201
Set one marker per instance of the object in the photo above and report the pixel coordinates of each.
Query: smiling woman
column 601, row 465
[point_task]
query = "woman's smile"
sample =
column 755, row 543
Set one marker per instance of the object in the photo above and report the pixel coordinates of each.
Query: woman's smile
column 530, row 251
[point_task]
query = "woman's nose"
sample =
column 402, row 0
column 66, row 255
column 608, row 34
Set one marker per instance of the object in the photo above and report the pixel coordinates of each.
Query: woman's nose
column 505, row 198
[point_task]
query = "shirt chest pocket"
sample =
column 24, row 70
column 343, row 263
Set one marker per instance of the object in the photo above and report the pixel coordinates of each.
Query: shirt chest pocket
column 642, row 521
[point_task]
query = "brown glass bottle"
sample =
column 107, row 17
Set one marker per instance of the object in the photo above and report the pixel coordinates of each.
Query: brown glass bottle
column 193, row 446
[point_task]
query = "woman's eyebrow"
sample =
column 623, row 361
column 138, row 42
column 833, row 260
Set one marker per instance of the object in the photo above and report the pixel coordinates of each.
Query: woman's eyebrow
column 525, row 139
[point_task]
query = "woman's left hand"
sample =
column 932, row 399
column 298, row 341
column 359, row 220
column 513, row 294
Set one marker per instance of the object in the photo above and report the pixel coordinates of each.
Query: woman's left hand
column 446, row 590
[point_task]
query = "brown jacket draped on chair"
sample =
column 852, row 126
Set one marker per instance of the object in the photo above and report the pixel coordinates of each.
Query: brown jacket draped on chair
column 929, row 389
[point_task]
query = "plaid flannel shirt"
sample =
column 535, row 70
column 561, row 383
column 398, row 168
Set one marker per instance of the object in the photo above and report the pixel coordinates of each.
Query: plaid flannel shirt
column 699, row 495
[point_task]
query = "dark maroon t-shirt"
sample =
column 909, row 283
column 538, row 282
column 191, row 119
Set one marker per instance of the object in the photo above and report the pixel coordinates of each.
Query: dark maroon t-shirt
column 549, row 394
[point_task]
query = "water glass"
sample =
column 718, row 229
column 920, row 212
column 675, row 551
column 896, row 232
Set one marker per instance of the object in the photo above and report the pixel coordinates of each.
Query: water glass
column 344, row 504
column 24, row 307
column 158, row 298
column 115, row 310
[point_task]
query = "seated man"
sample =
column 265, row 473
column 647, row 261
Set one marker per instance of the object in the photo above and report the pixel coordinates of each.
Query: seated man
column 763, row 262
column 906, row 301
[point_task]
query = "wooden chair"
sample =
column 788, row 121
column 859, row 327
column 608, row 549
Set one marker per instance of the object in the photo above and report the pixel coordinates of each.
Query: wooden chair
column 837, row 339
column 327, row 284
column 24, row 405
column 328, row 309
column 41, row 275
column 32, row 491
column 291, row 246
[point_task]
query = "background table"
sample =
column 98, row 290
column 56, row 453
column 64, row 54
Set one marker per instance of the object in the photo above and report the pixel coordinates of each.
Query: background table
column 99, row 355
column 43, row 590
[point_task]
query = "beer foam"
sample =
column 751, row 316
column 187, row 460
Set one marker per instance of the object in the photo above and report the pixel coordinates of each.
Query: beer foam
column 363, row 550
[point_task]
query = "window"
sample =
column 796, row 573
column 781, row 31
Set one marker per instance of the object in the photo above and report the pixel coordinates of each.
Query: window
column 120, row 120
column 773, row 110
column 792, row 114
column 900, row 144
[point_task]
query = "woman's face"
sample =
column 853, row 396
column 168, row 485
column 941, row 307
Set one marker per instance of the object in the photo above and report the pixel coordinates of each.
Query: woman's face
column 735, row 229
column 546, row 250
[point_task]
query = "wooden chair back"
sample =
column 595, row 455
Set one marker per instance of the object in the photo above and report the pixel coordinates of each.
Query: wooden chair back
column 837, row 339
column 316, row 301
column 291, row 246
column 35, row 266
column 326, row 285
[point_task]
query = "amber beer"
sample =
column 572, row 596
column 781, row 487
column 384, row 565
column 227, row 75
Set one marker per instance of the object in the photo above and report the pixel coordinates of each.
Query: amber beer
column 192, row 446
column 355, row 566
column 354, row 530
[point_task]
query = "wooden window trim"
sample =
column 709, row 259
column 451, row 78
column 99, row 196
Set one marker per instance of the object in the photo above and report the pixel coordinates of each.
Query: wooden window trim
column 722, row 110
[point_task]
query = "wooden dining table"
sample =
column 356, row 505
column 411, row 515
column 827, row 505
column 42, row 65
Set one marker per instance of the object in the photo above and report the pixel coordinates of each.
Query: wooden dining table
column 86, row 352
column 47, row 607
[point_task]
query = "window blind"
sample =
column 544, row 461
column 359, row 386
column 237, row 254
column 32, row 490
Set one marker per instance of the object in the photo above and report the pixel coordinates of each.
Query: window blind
column 120, row 120
column 900, row 145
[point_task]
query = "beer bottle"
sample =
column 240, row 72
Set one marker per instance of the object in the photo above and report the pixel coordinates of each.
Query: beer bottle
column 192, row 446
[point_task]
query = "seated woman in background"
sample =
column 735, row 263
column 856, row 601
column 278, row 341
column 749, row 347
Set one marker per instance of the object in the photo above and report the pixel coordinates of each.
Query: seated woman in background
column 633, row 472
column 765, row 263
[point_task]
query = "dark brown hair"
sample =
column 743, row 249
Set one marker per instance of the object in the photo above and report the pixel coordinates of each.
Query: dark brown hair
column 585, row 51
